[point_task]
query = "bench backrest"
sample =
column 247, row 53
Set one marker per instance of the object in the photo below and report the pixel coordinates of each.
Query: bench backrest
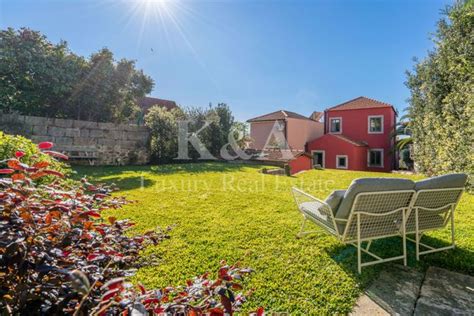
column 378, row 214
column 433, row 208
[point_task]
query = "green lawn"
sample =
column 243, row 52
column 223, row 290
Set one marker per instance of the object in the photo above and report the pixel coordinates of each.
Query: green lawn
column 232, row 212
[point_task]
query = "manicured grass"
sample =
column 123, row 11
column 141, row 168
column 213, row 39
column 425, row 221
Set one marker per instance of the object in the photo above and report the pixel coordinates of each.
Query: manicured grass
column 232, row 212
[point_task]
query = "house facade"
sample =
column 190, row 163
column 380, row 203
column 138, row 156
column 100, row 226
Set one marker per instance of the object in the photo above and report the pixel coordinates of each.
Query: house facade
column 358, row 135
column 283, row 129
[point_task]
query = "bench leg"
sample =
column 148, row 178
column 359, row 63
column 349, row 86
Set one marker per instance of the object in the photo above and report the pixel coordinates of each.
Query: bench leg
column 359, row 254
column 301, row 233
column 404, row 237
column 417, row 236
column 302, row 230
column 431, row 249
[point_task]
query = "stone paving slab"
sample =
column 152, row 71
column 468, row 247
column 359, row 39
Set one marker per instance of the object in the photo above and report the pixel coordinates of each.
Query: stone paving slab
column 446, row 293
column 396, row 289
column 366, row 306
column 405, row 291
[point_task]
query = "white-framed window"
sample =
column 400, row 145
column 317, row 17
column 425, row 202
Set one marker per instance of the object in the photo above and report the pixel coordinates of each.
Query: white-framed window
column 335, row 125
column 342, row 161
column 375, row 124
column 375, row 158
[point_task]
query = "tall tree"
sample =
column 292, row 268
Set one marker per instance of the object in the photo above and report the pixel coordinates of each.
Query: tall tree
column 38, row 77
column 442, row 96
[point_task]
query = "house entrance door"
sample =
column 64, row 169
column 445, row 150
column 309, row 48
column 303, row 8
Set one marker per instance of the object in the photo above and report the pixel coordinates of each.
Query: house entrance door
column 318, row 158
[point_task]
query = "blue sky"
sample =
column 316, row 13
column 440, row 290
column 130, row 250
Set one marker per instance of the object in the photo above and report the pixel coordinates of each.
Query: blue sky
column 257, row 56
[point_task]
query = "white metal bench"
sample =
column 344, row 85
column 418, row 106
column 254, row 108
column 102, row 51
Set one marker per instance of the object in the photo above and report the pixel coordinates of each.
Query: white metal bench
column 377, row 215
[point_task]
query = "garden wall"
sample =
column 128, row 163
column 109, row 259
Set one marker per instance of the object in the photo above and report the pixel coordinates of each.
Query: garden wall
column 85, row 142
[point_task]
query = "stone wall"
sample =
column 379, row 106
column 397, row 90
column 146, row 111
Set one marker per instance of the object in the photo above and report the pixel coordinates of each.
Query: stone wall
column 85, row 142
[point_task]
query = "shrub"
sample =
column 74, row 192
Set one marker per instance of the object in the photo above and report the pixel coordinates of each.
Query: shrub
column 59, row 256
column 441, row 107
column 11, row 145
column 163, row 124
column 287, row 168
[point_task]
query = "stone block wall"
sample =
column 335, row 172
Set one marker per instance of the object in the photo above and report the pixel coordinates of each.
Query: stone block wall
column 85, row 142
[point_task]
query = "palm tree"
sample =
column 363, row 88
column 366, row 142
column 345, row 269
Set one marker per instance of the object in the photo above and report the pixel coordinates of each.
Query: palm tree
column 403, row 135
column 404, row 140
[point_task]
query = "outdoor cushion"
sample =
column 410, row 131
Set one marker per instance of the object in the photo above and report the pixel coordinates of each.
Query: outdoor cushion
column 334, row 200
column 312, row 209
column 454, row 180
column 370, row 185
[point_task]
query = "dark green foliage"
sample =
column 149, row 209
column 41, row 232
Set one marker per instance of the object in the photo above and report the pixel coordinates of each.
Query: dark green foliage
column 215, row 135
column 163, row 124
column 40, row 78
column 211, row 126
column 442, row 100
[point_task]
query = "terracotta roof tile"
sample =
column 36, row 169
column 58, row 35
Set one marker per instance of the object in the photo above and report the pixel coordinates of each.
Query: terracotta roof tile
column 347, row 139
column 278, row 115
column 146, row 103
column 360, row 103
column 282, row 155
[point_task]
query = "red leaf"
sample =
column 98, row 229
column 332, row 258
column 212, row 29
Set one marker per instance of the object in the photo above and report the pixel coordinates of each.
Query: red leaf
column 260, row 311
column 6, row 171
column 150, row 300
column 237, row 286
column 41, row 164
column 56, row 154
column 91, row 213
column 223, row 273
column 18, row 177
column 142, row 288
column 225, row 301
column 113, row 284
column 92, row 256
column 54, row 173
column 38, row 174
column 216, row 312
column 109, row 294
column 16, row 164
column 45, row 145
column 19, row 154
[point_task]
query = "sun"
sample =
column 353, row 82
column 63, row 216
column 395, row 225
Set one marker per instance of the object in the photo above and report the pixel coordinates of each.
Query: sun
column 150, row 14
column 154, row 4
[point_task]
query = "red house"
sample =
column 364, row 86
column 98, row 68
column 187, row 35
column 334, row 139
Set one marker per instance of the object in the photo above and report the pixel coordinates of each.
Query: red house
column 357, row 136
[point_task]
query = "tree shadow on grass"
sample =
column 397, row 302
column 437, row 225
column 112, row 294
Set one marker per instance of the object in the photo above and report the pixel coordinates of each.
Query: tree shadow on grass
column 191, row 167
column 458, row 259
column 201, row 167
column 129, row 183
column 124, row 182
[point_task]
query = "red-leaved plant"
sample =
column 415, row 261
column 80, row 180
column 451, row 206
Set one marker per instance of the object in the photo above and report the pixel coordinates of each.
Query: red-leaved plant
column 59, row 256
